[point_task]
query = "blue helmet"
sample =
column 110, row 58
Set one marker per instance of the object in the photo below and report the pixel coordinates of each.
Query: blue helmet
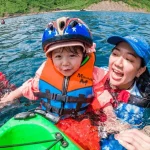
column 66, row 30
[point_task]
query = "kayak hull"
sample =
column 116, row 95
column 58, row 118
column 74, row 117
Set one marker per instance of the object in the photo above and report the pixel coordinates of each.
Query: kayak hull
column 33, row 133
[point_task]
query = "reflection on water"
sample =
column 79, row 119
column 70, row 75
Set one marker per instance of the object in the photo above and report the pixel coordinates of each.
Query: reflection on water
column 20, row 39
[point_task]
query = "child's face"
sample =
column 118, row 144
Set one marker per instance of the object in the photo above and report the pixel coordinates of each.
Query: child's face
column 124, row 66
column 67, row 61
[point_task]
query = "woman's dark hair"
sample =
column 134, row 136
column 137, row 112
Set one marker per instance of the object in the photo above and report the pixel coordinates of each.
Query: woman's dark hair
column 142, row 62
column 143, row 82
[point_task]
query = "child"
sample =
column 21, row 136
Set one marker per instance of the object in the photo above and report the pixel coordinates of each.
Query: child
column 65, row 80
column 125, row 87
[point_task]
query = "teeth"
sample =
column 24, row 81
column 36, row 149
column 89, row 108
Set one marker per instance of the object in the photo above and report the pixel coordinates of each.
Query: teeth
column 117, row 72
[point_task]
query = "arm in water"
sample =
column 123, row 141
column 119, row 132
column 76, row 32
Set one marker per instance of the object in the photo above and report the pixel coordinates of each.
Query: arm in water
column 5, row 89
column 26, row 89
column 12, row 95
column 113, row 124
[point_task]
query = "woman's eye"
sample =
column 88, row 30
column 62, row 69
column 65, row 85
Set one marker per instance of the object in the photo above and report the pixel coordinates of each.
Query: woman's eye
column 115, row 54
column 130, row 60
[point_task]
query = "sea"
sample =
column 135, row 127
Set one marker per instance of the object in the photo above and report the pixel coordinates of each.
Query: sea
column 21, row 50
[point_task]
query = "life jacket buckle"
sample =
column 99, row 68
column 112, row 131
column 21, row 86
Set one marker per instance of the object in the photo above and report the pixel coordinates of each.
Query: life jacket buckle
column 48, row 106
column 61, row 98
column 61, row 111
column 52, row 96
column 73, row 114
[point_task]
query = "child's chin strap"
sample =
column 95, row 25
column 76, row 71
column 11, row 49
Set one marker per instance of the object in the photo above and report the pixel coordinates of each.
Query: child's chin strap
column 85, row 60
column 89, row 50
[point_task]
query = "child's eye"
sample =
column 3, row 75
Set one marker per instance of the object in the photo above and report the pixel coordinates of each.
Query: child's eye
column 58, row 56
column 72, row 55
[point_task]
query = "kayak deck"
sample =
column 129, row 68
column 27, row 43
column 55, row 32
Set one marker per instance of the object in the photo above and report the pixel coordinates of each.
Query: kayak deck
column 33, row 133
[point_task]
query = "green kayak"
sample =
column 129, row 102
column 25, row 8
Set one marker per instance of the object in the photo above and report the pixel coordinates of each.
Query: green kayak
column 34, row 133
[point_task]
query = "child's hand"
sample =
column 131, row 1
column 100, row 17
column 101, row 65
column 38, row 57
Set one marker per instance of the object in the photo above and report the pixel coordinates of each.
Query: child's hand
column 7, row 97
column 8, row 100
column 5, row 100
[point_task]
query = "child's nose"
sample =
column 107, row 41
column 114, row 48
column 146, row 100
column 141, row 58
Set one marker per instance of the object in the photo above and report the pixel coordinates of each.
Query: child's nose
column 65, row 62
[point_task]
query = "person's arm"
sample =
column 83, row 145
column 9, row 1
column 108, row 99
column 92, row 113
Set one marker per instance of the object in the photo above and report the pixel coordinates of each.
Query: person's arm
column 6, row 88
column 27, row 89
column 12, row 95
column 32, row 85
column 98, row 86
column 112, row 124
column 134, row 139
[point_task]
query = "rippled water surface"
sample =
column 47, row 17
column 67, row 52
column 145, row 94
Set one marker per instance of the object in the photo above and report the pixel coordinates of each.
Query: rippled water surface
column 20, row 39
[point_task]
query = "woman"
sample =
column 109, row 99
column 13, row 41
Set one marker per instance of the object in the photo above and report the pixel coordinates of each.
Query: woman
column 122, row 88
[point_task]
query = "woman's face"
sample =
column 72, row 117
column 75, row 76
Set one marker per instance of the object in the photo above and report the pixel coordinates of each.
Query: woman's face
column 124, row 66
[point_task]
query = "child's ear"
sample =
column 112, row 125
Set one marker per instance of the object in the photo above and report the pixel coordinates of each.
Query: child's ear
column 49, row 55
column 140, row 71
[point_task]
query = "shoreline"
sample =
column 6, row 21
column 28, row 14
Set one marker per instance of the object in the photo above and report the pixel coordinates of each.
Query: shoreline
column 106, row 6
column 36, row 13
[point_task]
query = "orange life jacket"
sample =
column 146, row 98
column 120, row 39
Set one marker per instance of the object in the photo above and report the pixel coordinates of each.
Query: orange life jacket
column 66, row 95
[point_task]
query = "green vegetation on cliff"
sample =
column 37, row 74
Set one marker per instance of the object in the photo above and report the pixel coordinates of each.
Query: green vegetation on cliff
column 143, row 4
column 12, row 7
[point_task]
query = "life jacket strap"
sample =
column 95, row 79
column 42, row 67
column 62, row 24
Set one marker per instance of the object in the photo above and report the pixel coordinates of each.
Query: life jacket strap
column 62, row 111
column 63, row 98
column 138, row 101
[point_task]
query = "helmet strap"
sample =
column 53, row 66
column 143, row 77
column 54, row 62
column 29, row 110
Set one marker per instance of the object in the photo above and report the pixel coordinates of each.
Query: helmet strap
column 85, row 60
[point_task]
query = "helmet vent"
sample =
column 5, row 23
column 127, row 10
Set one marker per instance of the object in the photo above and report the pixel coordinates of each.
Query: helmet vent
column 61, row 25
column 50, row 26
column 73, row 23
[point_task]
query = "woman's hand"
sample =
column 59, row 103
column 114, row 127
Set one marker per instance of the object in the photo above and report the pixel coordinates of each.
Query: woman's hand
column 133, row 139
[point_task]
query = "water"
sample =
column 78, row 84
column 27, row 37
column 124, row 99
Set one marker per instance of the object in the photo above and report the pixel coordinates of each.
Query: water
column 20, row 41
